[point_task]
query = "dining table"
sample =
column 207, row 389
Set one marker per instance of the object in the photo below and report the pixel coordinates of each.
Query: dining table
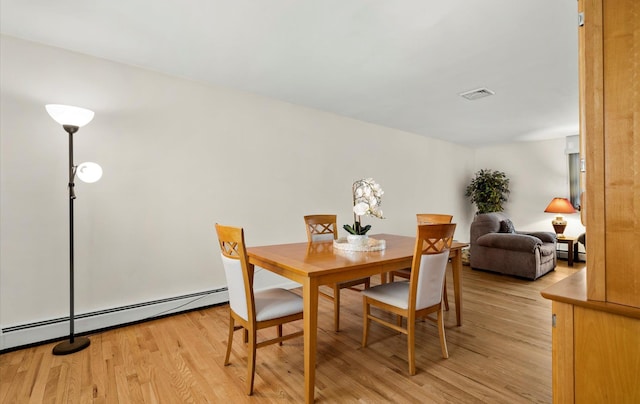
column 320, row 263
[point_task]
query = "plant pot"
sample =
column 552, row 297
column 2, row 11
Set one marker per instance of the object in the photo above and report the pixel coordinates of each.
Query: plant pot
column 358, row 239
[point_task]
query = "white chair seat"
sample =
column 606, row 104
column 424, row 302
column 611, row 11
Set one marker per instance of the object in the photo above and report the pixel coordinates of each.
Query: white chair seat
column 276, row 302
column 394, row 293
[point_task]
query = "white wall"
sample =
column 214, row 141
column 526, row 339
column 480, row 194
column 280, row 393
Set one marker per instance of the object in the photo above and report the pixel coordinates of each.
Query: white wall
column 179, row 156
column 538, row 172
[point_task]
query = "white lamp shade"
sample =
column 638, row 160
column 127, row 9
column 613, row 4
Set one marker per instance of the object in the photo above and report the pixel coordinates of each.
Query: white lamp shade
column 89, row 172
column 68, row 115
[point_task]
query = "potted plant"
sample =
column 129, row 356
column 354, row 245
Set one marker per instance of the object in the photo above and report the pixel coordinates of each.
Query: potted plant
column 367, row 197
column 488, row 190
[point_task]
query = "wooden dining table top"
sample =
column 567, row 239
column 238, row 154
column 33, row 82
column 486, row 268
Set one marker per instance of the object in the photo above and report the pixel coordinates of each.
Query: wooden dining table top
column 321, row 258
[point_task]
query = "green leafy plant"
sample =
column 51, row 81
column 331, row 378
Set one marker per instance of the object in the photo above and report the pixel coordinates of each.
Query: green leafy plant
column 488, row 190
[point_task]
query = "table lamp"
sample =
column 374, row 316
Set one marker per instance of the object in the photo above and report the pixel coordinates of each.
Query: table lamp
column 559, row 205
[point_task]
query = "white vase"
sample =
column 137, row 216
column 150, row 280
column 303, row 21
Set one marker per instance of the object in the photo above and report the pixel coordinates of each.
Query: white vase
column 358, row 239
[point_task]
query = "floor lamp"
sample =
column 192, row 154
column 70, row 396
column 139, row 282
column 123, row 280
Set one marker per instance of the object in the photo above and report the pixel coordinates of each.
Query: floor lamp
column 71, row 119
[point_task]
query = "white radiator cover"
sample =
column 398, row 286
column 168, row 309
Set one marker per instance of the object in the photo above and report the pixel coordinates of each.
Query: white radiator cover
column 42, row 331
column 53, row 329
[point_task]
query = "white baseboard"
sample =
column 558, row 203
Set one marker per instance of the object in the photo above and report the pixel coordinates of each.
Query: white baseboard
column 42, row 331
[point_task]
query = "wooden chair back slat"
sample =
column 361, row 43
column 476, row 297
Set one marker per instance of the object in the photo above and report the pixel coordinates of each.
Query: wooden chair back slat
column 320, row 227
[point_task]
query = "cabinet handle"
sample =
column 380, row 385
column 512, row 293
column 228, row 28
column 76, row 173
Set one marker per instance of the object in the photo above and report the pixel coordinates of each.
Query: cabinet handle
column 553, row 320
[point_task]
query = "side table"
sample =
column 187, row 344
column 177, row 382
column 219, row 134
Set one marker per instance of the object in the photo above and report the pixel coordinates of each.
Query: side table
column 572, row 248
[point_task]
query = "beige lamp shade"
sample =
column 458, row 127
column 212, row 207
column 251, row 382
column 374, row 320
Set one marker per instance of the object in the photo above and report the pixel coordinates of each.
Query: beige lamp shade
column 69, row 115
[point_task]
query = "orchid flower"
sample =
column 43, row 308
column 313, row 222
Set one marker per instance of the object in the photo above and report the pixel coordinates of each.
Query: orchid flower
column 367, row 197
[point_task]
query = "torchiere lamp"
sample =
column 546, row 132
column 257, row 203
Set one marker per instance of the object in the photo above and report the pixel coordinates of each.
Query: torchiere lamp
column 71, row 119
column 559, row 205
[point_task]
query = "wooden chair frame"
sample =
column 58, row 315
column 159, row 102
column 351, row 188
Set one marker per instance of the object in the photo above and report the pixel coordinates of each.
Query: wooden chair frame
column 326, row 225
column 232, row 245
column 431, row 239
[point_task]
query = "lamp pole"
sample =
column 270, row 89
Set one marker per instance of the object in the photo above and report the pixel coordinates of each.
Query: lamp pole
column 74, row 344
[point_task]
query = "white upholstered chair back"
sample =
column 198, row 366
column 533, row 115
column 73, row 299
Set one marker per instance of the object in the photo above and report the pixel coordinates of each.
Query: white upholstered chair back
column 235, row 285
column 431, row 279
column 236, row 270
column 321, row 237
column 430, row 259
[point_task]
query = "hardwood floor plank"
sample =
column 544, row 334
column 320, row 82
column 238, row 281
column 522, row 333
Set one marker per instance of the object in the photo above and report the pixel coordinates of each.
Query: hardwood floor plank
column 501, row 354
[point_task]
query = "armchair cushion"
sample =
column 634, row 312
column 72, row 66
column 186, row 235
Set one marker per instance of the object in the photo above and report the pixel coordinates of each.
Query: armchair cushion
column 544, row 236
column 506, row 226
column 508, row 241
column 548, row 250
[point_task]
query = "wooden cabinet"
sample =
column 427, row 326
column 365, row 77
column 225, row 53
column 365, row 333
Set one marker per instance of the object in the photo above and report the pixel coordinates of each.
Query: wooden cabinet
column 595, row 346
column 596, row 332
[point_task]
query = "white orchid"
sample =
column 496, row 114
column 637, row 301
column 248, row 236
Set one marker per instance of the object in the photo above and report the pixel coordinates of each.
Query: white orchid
column 367, row 197
column 361, row 209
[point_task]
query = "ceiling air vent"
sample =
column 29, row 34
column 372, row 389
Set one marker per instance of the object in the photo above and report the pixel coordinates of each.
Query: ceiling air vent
column 476, row 94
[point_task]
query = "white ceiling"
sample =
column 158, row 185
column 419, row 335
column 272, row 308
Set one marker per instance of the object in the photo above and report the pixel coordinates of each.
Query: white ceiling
column 396, row 63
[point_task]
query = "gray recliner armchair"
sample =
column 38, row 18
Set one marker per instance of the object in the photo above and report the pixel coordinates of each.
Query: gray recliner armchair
column 496, row 246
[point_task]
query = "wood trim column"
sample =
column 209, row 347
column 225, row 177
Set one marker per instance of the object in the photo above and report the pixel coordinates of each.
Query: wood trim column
column 592, row 134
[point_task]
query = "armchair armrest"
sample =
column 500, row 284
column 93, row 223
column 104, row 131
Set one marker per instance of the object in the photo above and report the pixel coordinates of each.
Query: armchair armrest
column 509, row 241
column 544, row 236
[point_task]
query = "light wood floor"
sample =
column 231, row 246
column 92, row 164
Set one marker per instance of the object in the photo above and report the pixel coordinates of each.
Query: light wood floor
column 501, row 354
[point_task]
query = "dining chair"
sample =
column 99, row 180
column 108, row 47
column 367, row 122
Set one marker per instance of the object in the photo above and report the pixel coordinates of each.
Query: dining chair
column 426, row 218
column 253, row 310
column 419, row 297
column 323, row 228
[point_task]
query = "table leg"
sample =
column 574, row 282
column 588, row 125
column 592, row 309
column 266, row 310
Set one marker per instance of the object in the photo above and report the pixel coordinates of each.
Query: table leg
column 456, row 266
column 570, row 253
column 310, row 296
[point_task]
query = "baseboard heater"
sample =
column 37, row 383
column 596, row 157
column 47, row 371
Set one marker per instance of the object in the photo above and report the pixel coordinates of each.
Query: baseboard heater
column 562, row 254
column 17, row 336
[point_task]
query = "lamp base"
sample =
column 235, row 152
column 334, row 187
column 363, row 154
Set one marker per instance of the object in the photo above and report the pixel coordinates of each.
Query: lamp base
column 559, row 224
column 67, row 347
